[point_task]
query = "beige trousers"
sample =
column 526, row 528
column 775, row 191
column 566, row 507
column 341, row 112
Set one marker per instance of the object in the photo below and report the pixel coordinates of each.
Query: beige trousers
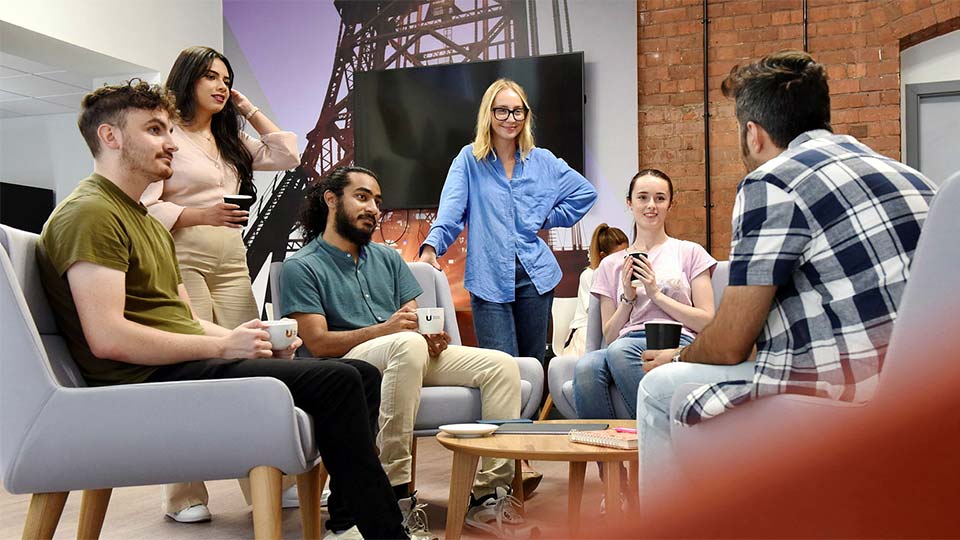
column 213, row 264
column 403, row 360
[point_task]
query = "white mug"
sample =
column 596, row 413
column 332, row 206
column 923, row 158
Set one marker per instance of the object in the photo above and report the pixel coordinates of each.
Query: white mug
column 283, row 333
column 430, row 320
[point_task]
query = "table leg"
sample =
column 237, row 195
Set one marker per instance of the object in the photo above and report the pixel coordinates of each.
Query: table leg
column 611, row 484
column 633, row 469
column 578, row 470
column 461, row 480
column 517, row 485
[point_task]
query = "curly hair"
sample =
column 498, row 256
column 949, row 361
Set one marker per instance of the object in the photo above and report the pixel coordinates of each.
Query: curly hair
column 109, row 104
column 314, row 212
column 786, row 93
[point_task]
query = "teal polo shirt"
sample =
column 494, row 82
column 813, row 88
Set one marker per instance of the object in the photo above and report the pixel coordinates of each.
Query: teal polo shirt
column 323, row 279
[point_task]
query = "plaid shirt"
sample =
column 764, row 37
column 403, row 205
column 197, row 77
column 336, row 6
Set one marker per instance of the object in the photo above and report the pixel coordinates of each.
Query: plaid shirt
column 833, row 225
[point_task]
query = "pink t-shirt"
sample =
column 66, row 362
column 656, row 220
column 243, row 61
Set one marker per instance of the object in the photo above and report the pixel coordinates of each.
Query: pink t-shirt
column 675, row 262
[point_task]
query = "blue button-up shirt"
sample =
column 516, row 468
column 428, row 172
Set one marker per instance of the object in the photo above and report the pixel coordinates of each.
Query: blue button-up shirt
column 504, row 216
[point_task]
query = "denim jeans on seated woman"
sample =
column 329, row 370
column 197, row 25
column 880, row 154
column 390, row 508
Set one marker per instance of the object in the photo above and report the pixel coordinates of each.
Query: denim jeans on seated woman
column 620, row 364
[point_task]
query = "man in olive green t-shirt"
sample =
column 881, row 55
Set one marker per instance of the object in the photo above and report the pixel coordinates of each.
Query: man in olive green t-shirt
column 111, row 274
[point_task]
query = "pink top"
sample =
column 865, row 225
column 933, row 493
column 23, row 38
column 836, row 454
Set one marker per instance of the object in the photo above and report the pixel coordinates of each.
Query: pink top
column 676, row 263
column 200, row 180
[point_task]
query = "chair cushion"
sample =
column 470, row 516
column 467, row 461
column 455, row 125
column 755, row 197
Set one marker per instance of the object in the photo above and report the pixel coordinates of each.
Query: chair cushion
column 447, row 405
column 305, row 427
column 441, row 405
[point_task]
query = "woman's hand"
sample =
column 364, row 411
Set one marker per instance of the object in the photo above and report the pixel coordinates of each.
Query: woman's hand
column 223, row 215
column 429, row 256
column 626, row 277
column 241, row 102
column 647, row 277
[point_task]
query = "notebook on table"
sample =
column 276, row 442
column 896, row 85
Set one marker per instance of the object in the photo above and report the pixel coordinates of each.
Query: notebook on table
column 606, row 437
column 546, row 429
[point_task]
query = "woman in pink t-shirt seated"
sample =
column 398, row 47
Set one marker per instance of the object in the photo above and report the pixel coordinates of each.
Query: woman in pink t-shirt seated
column 674, row 284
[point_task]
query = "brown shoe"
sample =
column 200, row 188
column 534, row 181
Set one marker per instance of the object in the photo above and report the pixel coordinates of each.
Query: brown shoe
column 531, row 479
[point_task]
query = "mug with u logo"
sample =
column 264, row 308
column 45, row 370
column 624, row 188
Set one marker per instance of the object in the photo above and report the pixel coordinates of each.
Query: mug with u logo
column 430, row 320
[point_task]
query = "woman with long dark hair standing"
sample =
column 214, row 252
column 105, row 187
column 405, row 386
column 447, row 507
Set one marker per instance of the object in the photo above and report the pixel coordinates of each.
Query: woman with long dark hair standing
column 215, row 158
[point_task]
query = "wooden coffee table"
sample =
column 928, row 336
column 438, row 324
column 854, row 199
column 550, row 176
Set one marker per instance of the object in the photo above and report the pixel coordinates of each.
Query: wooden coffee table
column 467, row 452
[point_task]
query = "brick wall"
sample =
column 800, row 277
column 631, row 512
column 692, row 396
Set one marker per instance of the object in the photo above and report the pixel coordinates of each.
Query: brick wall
column 859, row 41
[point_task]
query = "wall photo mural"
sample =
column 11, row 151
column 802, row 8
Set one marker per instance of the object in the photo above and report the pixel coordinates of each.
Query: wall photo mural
column 302, row 59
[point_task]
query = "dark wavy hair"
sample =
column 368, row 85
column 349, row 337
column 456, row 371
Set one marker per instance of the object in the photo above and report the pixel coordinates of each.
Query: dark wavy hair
column 786, row 93
column 314, row 212
column 109, row 104
column 226, row 125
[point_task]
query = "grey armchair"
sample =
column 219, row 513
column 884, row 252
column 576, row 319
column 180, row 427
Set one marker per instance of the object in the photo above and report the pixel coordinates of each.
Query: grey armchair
column 560, row 373
column 57, row 435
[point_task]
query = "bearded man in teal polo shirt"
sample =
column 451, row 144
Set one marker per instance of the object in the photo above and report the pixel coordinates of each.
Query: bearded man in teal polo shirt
column 356, row 299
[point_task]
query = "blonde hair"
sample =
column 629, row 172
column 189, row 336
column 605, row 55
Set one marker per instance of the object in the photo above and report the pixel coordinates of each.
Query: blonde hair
column 606, row 239
column 482, row 144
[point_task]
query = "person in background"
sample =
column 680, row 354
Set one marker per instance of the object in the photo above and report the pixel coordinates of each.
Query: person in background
column 605, row 240
column 111, row 275
column 674, row 285
column 216, row 158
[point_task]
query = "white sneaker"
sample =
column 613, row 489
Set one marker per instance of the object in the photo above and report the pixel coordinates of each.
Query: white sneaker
column 291, row 497
column 623, row 505
column 415, row 519
column 497, row 515
column 324, row 497
column 192, row 514
column 353, row 533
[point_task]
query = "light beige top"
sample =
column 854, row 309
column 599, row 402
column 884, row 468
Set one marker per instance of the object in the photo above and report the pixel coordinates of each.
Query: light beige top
column 201, row 180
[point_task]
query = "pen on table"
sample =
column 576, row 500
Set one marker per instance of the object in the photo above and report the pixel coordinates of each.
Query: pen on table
column 625, row 430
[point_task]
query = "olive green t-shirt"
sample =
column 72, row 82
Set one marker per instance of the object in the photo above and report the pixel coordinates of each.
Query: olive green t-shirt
column 100, row 224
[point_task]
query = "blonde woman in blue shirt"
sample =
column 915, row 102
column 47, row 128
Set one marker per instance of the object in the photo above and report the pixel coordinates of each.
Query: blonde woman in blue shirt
column 507, row 189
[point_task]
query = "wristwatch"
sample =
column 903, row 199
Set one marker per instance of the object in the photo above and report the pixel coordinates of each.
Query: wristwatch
column 676, row 355
column 623, row 300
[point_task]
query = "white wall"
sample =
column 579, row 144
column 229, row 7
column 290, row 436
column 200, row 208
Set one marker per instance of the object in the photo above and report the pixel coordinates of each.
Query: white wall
column 935, row 60
column 44, row 151
column 607, row 33
column 48, row 151
column 145, row 32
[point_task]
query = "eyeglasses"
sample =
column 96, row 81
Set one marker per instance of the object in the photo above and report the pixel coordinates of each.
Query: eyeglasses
column 502, row 114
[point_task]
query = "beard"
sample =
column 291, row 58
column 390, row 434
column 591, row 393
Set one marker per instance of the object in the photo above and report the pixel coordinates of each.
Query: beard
column 348, row 230
column 142, row 163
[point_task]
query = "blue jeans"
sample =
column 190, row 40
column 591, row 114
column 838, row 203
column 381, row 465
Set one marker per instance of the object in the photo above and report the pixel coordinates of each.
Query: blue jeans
column 658, row 465
column 518, row 328
column 621, row 365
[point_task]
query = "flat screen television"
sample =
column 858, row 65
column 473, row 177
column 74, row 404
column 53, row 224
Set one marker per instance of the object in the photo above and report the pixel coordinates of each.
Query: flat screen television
column 410, row 123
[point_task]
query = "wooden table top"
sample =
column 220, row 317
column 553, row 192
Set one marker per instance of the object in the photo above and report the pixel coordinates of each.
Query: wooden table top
column 541, row 447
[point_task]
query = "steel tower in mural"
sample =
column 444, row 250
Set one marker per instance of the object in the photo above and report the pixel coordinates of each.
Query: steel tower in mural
column 378, row 35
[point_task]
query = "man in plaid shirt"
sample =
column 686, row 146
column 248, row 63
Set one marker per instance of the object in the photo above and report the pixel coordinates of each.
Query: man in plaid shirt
column 823, row 232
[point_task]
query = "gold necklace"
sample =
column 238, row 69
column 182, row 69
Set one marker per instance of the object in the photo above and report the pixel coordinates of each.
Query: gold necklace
column 206, row 151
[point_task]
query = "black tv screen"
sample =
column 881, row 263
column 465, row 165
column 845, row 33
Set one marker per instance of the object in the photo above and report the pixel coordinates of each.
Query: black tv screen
column 410, row 123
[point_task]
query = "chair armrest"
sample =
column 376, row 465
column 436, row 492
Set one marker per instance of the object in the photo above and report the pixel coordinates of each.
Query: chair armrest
column 159, row 433
column 761, row 421
column 560, row 371
column 531, row 371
